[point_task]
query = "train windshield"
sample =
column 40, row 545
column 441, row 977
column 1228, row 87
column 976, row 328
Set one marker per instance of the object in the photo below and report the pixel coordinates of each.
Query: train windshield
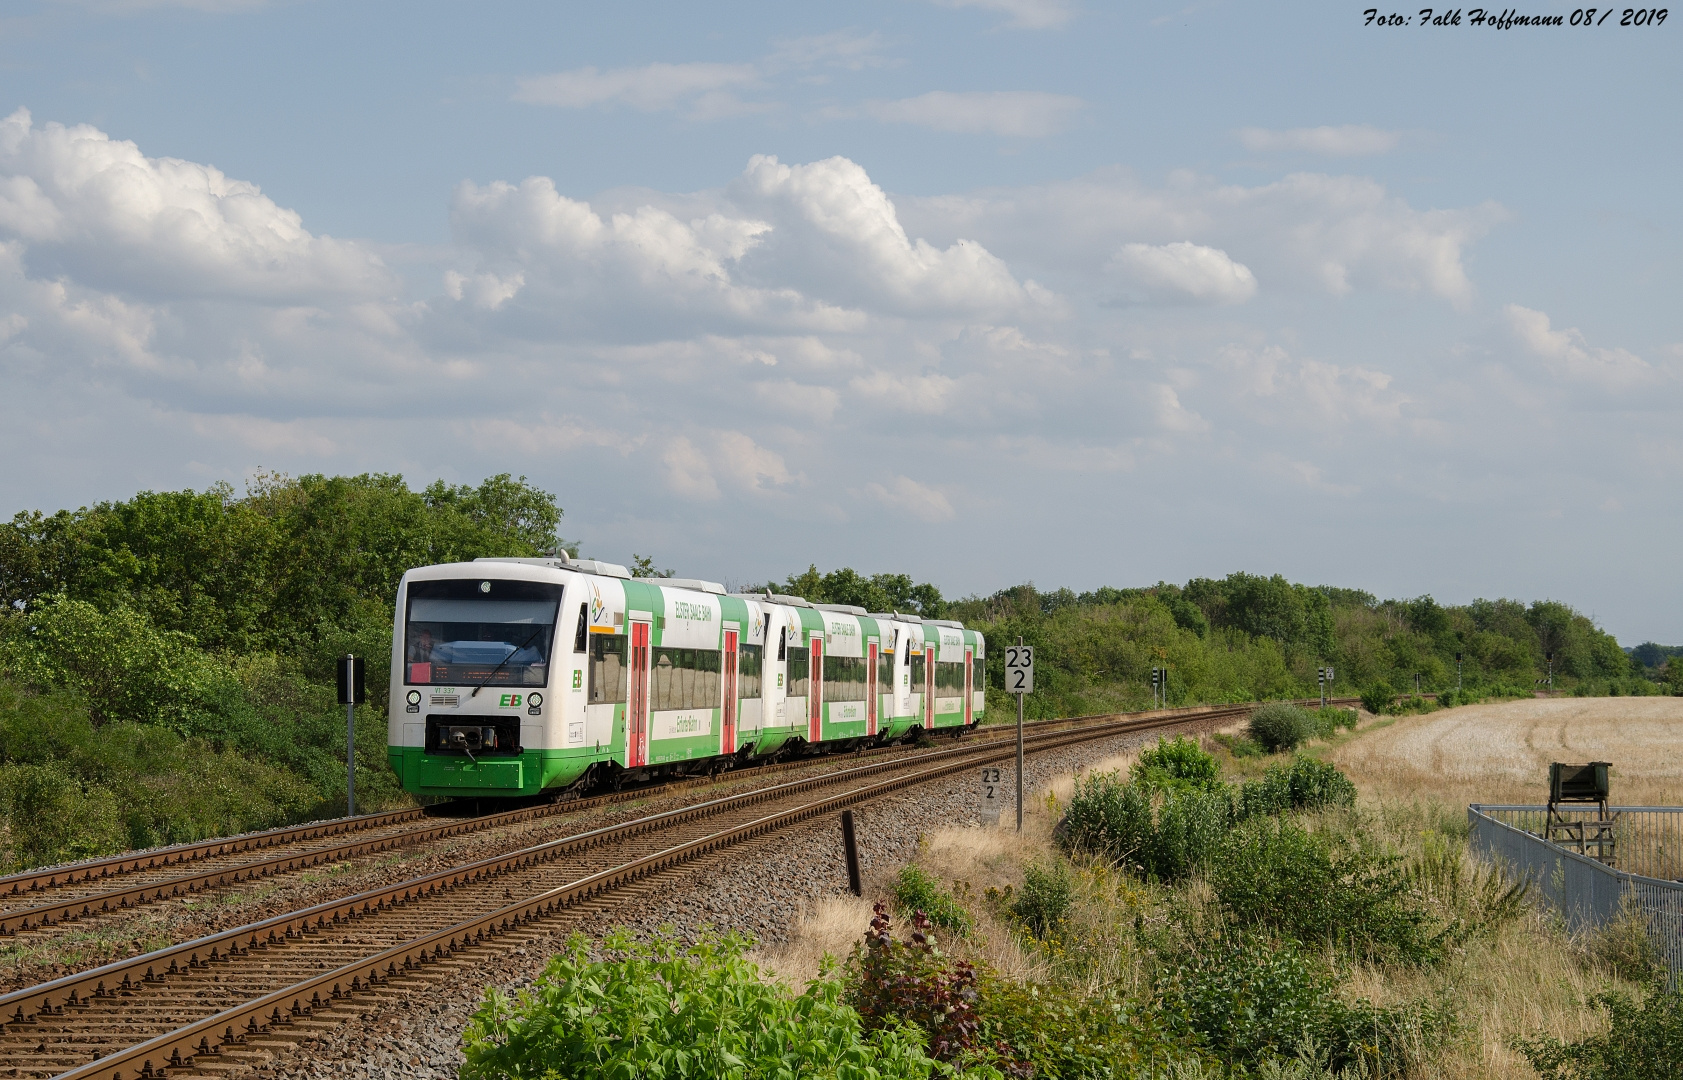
column 463, row 633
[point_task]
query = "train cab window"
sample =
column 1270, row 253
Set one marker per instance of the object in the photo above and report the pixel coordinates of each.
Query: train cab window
column 749, row 661
column 798, row 658
column 468, row 632
column 607, row 669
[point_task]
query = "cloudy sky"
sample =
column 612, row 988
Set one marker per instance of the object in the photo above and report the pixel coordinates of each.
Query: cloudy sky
column 980, row 290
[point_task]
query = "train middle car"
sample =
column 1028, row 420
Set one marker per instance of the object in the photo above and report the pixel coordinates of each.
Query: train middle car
column 513, row 677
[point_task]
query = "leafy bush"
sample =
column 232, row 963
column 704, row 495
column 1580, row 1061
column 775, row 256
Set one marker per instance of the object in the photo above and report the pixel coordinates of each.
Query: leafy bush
column 910, row 982
column 1273, row 874
column 1162, row 833
column 1330, row 719
column 1048, row 1031
column 1304, row 784
column 916, row 891
column 661, row 1009
column 70, row 790
column 1644, row 1040
column 1252, row 1000
column 1240, row 746
column 1377, row 697
column 1179, row 762
column 1045, row 899
column 1280, row 725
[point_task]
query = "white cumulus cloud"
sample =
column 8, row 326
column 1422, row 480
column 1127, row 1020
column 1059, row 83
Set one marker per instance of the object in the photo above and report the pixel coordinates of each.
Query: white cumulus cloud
column 904, row 494
column 1348, row 140
column 1183, row 271
column 1028, row 114
column 1572, row 354
column 96, row 209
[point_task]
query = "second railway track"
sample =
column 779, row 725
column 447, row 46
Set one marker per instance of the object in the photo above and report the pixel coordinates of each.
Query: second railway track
column 218, row 1004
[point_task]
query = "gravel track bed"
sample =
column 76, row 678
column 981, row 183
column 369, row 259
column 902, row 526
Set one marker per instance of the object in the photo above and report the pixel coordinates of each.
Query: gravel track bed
column 759, row 887
column 36, row 956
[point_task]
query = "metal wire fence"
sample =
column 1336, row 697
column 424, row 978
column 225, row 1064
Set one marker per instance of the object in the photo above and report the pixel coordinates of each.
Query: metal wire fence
column 1648, row 840
column 1589, row 894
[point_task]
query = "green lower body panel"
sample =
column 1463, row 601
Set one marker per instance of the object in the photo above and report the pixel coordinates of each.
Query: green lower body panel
column 449, row 774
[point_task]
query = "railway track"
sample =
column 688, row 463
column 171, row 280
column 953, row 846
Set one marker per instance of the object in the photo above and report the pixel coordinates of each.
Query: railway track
column 226, row 1001
column 49, row 898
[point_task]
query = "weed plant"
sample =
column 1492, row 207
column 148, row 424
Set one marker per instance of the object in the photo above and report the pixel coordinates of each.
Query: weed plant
column 1042, row 907
column 663, row 1009
column 915, row 891
column 1644, row 1040
column 1177, row 763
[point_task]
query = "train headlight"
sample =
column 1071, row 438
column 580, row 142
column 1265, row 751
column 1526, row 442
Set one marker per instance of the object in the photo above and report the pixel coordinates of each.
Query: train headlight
column 484, row 586
column 414, row 700
column 535, row 700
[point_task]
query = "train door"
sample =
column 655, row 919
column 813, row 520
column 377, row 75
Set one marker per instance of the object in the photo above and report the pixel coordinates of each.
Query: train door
column 814, row 694
column 930, row 652
column 727, row 736
column 969, row 682
column 872, row 701
column 637, row 707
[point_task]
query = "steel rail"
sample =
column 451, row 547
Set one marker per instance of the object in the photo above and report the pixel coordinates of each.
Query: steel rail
column 119, row 899
column 130, row 974
column 231, row 1028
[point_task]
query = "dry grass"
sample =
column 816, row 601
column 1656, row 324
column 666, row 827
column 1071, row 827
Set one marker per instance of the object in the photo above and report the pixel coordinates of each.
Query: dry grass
column 1500, row 753
column 1416, row 774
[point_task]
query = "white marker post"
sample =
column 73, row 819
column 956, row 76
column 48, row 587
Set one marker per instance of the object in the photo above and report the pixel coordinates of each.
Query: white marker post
column 1019, row 680
column 993, row 779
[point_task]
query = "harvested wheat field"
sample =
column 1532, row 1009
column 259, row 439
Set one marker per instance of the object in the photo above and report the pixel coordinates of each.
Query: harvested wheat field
column 1500, row 753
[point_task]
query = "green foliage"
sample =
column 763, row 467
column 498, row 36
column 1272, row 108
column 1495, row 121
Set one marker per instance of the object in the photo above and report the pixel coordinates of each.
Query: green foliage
column 1644, row 1040
column 1051, row 1032
column 879, row 592
column 1273, row 874
column 1330, row 720
column 1250, row 1000
column 916, row 891
column 69, row 789
column 895, row 982
column 1280, row 725
column 664, row 1010
column 1161, row 833
column 1044, row 901
column 1177, row 762
column 1377, row 697
column 1302, row 784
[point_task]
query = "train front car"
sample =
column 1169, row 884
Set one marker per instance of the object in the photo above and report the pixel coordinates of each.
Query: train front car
column 479, row 668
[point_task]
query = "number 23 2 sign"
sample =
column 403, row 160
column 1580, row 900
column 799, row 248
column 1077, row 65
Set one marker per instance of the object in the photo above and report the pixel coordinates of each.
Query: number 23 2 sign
column 1019, row 669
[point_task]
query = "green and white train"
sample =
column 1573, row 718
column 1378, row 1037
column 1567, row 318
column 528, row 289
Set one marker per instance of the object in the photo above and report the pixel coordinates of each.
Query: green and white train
column 515, row 677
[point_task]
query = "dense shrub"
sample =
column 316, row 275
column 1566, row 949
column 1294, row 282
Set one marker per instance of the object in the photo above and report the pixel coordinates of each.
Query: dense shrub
column 1280, row 725
column 661, row 1009
column 895, row 982
column 1273, row 874
column 70, row 790
column 1051, row 1032
column 1251, row 1000
column 1044, row 901
column 1177, row 762
column 1303, row 784
column 1162, row 833
column 1329, row 720
column 1377, row 697
column 916, row 891
column 1644, row 1040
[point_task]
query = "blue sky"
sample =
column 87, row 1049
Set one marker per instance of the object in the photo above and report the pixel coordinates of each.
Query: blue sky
column 982, row 291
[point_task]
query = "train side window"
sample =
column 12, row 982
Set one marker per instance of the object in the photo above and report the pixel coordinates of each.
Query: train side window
column 607, row 669
column 750, row 660
column 581, row 636
column 797, row 672
column 885, row 671
column 782, row 643
column 917, row 671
